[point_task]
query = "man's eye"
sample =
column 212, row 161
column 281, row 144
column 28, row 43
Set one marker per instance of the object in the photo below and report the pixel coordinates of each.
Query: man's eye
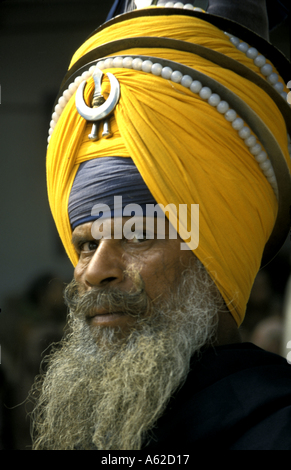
column 88, row 246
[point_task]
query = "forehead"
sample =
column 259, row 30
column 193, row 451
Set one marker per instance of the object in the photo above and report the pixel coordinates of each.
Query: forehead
column 135, row 223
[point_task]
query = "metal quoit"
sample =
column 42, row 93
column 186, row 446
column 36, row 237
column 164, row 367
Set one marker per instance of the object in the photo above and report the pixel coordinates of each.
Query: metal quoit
column 101, row 108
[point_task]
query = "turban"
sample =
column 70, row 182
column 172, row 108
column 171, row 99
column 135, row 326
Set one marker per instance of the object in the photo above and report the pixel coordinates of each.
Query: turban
column 185, row 150
column 98, row 181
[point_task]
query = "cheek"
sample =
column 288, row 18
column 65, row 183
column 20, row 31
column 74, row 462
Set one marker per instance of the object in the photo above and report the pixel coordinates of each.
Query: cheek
column 160, row 273
column 79, row 271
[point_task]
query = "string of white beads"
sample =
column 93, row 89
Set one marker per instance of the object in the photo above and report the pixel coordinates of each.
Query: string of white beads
column 261, row 62
column 181, row 5
column 251, row 52
column 195, row 86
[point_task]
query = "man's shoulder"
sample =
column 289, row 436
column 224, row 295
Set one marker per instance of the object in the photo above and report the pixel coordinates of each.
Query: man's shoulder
column 237, row 397
column 257, row 384
column 235, row 362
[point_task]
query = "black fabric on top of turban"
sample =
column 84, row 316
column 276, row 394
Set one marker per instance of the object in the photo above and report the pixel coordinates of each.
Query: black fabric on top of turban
column 258, row 15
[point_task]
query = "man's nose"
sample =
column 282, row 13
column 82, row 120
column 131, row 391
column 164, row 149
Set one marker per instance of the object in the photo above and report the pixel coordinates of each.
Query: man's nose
column 106, row 265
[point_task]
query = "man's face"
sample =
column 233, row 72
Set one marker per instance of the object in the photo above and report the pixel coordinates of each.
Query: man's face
column 109, row 263
column 106, row 390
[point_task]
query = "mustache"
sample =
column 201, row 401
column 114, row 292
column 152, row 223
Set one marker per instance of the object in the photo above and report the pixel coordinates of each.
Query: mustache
column 135, row 303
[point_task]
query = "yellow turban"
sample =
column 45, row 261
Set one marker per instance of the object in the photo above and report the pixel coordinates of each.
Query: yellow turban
column 184, row 149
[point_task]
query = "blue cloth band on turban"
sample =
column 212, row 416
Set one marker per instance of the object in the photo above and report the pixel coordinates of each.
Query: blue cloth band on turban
column 97, row 182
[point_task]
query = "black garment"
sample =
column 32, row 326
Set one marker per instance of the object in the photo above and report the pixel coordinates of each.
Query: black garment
column 236, row 397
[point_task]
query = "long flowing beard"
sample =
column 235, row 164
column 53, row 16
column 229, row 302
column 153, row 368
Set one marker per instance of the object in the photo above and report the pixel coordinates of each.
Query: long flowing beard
column 105, row 391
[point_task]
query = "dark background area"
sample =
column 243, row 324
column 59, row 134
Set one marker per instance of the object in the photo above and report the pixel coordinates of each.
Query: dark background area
column 37, row 41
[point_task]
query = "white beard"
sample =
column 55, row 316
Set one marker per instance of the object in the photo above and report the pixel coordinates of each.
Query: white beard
column 103, row 391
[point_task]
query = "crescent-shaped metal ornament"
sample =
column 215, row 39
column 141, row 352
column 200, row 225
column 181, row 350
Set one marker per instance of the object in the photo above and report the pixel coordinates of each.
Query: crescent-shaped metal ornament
column 100, row 112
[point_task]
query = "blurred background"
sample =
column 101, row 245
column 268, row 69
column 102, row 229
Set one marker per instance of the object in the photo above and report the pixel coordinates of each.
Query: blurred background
column 37, row 41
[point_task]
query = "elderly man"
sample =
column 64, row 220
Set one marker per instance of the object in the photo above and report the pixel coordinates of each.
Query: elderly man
column 164, row 109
